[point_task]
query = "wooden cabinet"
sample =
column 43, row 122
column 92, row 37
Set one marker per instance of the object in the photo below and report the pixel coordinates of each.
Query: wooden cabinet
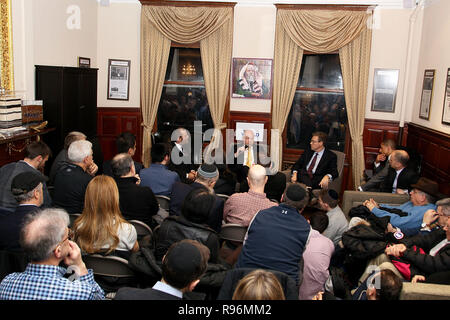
column 70, row 101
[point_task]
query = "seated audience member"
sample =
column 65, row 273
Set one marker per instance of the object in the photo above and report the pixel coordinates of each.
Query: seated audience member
column 27, row 189
column 382, row 285
column 36, row 155
column 240, row 208
column 316, row 258
column 190, row 225
column 317, row 166
column 126, row 143
column 338, row 224
column 277, row 236
column 136, row 202
column 73, row 177
column 422, row 198
column 399, row 177
column 45, row 239
column 206, row 178
column 101, row 227
column 182, row 267
column 158, row 177
column 436, row 258
column 380, row 166
column 276, row 181
column 432, row 219
column 226, row 184
column 259, row 285
column 62, row 157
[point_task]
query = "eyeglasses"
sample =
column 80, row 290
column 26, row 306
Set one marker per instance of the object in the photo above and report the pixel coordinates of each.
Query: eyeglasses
column 69, row 237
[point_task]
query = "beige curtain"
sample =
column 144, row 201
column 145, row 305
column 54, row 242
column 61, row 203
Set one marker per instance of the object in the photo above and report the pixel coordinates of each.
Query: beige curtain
column 355, row 61
column 213, row 27
column 320, row 31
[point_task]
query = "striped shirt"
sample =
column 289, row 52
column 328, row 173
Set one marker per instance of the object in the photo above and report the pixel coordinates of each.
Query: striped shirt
column 47, row 282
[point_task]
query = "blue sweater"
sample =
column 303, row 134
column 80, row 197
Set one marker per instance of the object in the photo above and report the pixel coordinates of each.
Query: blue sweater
column 276, row 239
column 412, row 221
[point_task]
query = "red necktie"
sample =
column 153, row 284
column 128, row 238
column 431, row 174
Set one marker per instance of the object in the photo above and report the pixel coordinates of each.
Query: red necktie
column 311, row 166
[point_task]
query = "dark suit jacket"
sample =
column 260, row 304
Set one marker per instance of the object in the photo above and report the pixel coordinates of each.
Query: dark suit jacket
column 10, row 226
column 136, row 202
column 107, row 169
column 180, row 190
column 127, row 293
column 404, row 181
column 327, row 165
column 185, row 167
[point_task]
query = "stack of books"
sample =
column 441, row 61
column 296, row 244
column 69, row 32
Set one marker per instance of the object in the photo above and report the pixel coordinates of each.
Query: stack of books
column 32, row 112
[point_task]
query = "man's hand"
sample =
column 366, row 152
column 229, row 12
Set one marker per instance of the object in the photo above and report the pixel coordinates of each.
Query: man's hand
column 395, row 250
column 92, row 169
column 417, row 278
column 380, row 157
column 430, row 216
column 324, row 182
column 369, row 205
column 138, row 182
column 74, row 259
column 192, row 175
column 239, row 151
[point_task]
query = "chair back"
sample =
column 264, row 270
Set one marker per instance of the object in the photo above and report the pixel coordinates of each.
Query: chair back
column 142, row 228
column 233, row 232
column 163, row 201
column 108, row 266
column 223, row 196
column 336, row 183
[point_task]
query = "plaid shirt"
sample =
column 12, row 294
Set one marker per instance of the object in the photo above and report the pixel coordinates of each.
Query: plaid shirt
column 46, row 282
column 240, row 208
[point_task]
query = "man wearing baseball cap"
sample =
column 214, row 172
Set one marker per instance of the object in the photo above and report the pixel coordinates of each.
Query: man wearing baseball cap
column 26, row 188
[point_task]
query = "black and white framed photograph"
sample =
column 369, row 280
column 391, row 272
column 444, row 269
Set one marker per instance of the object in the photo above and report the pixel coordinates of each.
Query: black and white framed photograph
column 446, row 110
column 118, row 79
column 427, row 94
column 385, row 82
column 84, row 62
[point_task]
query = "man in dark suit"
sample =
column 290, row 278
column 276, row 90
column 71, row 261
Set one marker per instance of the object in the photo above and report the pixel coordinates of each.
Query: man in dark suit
column 27, row 190
column 400, row 177
column 316, row 167
column 206, row 177
column 181, row 157
column 182, row 267
column 136, row 202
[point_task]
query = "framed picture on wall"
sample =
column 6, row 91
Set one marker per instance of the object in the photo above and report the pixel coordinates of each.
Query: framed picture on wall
column 446, row 110
column 84, row 62
column 251, row 78
column 118, row 79
column 427, row 94
column 384, row 94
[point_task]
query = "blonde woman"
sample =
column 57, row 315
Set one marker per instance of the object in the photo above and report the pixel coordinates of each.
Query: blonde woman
column 259, row 285
column 101, row 226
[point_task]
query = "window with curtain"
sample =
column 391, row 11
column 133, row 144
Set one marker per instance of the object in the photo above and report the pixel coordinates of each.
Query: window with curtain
column 319, row 103
column 183, row 99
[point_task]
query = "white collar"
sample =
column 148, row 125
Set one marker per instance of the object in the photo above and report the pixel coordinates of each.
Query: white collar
column 164, row 287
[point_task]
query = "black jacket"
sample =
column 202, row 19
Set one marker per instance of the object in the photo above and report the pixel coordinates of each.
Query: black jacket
column 10, row 226
column 405, row 179
column 327, row 165
column 136, row 202
column 177, row 228
column 425, row 263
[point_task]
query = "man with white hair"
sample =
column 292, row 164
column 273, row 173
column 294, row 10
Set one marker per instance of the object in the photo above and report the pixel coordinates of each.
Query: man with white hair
column 46, row 240
column 240, row 208
column 73, row 177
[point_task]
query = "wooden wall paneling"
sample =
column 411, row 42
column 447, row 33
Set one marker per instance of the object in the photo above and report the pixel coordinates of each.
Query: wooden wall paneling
column 434, row 146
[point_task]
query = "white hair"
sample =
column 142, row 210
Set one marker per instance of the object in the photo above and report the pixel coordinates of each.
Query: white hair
column 78, row 150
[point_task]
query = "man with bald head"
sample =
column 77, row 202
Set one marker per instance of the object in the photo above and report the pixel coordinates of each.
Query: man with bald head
column 240, row 208
column 400, row 177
